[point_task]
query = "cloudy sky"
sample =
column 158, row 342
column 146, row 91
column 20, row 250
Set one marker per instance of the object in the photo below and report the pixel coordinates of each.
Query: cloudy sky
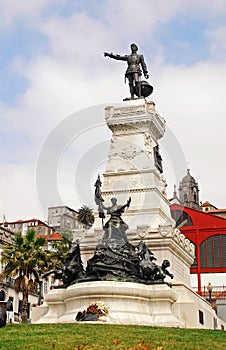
column 55, row 83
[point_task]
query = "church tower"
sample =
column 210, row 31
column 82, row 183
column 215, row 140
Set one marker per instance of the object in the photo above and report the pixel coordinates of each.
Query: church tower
column 189, row 191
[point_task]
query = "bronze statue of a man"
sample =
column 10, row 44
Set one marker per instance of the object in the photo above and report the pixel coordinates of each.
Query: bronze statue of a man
column 133, row 72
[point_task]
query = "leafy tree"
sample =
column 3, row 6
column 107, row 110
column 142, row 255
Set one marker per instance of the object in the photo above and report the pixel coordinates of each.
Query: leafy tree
column 85, row 216
column 26, row 258
column 67, row 234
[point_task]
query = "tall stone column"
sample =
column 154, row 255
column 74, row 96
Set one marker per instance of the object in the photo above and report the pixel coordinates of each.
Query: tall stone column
column 134, row 164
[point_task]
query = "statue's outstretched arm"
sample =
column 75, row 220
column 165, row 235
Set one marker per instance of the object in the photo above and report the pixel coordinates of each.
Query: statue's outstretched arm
column 115, row 57
column 122, row 208
column 169, row 274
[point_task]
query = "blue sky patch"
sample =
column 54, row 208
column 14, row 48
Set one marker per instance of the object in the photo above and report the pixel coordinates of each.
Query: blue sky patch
column 24, row 43
column 184, row 42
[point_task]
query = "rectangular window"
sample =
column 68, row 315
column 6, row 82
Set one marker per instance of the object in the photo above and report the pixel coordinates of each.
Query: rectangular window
column 217, row 250
column 213, row 252
column 210, row 258
column 201, row 317
column 223, row 252
column 203, row 255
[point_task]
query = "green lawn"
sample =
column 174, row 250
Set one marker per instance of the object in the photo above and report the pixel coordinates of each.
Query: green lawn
column 103, row 337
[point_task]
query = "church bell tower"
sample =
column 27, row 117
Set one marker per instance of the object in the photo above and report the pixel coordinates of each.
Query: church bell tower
column 189, row 191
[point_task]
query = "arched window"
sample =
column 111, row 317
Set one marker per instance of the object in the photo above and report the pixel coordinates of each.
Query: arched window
column 195, row 197
column 181, row 218
column 213, row 252
column 185, row 198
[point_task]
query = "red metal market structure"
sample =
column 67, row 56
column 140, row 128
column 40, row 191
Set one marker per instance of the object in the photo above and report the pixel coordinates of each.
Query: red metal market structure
column 208, row 233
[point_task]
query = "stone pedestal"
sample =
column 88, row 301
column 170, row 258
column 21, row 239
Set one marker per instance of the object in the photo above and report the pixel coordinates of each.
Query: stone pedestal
column 128, row 303
column 133, row 165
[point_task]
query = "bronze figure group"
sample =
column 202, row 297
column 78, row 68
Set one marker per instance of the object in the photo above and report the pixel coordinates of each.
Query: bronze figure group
column 115, row 258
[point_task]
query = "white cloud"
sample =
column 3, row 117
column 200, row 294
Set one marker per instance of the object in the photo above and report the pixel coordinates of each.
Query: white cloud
column 76, row 39
column 137, row 21
column 192, row 101
column 205, row 8
column 17, row 184
column 13, row 10
column 217, row 42
column 25, row 10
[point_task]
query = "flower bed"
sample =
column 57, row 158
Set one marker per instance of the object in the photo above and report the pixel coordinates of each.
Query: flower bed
column 93, row 312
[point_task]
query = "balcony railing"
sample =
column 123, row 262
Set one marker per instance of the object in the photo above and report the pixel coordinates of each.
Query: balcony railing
column 218, row 292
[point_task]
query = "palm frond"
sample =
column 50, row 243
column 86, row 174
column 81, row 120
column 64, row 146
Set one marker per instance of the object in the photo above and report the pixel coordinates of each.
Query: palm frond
column 85, row 215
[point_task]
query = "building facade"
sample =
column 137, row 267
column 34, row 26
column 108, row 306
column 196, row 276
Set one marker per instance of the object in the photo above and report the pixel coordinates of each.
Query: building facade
column 22, row 226
column 211, row 209
column 63, row 218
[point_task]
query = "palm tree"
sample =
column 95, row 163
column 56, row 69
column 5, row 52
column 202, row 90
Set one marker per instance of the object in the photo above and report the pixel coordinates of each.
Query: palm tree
column 85, row 216
column 26, row 258
column 59, row 252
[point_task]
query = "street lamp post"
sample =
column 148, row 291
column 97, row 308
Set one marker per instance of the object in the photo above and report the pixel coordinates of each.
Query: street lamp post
column 210, row 289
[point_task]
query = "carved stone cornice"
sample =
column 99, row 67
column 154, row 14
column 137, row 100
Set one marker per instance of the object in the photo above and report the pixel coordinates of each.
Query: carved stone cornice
column 140, row 118
column 125, row 191
column 180, row 239
column 166, row 233
column 134, row 190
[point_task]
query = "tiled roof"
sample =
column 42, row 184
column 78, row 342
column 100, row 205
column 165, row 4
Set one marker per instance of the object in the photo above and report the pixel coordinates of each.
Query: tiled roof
column 52, row 237
column 207, row 204
column 40, row 223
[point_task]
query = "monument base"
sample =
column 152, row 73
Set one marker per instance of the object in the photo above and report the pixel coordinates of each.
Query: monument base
column 130, row 303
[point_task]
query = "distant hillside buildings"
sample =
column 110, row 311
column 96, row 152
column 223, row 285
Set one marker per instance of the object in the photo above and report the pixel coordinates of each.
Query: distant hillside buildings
column 63, row 218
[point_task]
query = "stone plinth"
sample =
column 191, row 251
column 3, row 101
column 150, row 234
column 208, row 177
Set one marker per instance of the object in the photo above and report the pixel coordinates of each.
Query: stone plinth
column 128, row 303
column 195, row 311
column 132, row 169
column 131, row 303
